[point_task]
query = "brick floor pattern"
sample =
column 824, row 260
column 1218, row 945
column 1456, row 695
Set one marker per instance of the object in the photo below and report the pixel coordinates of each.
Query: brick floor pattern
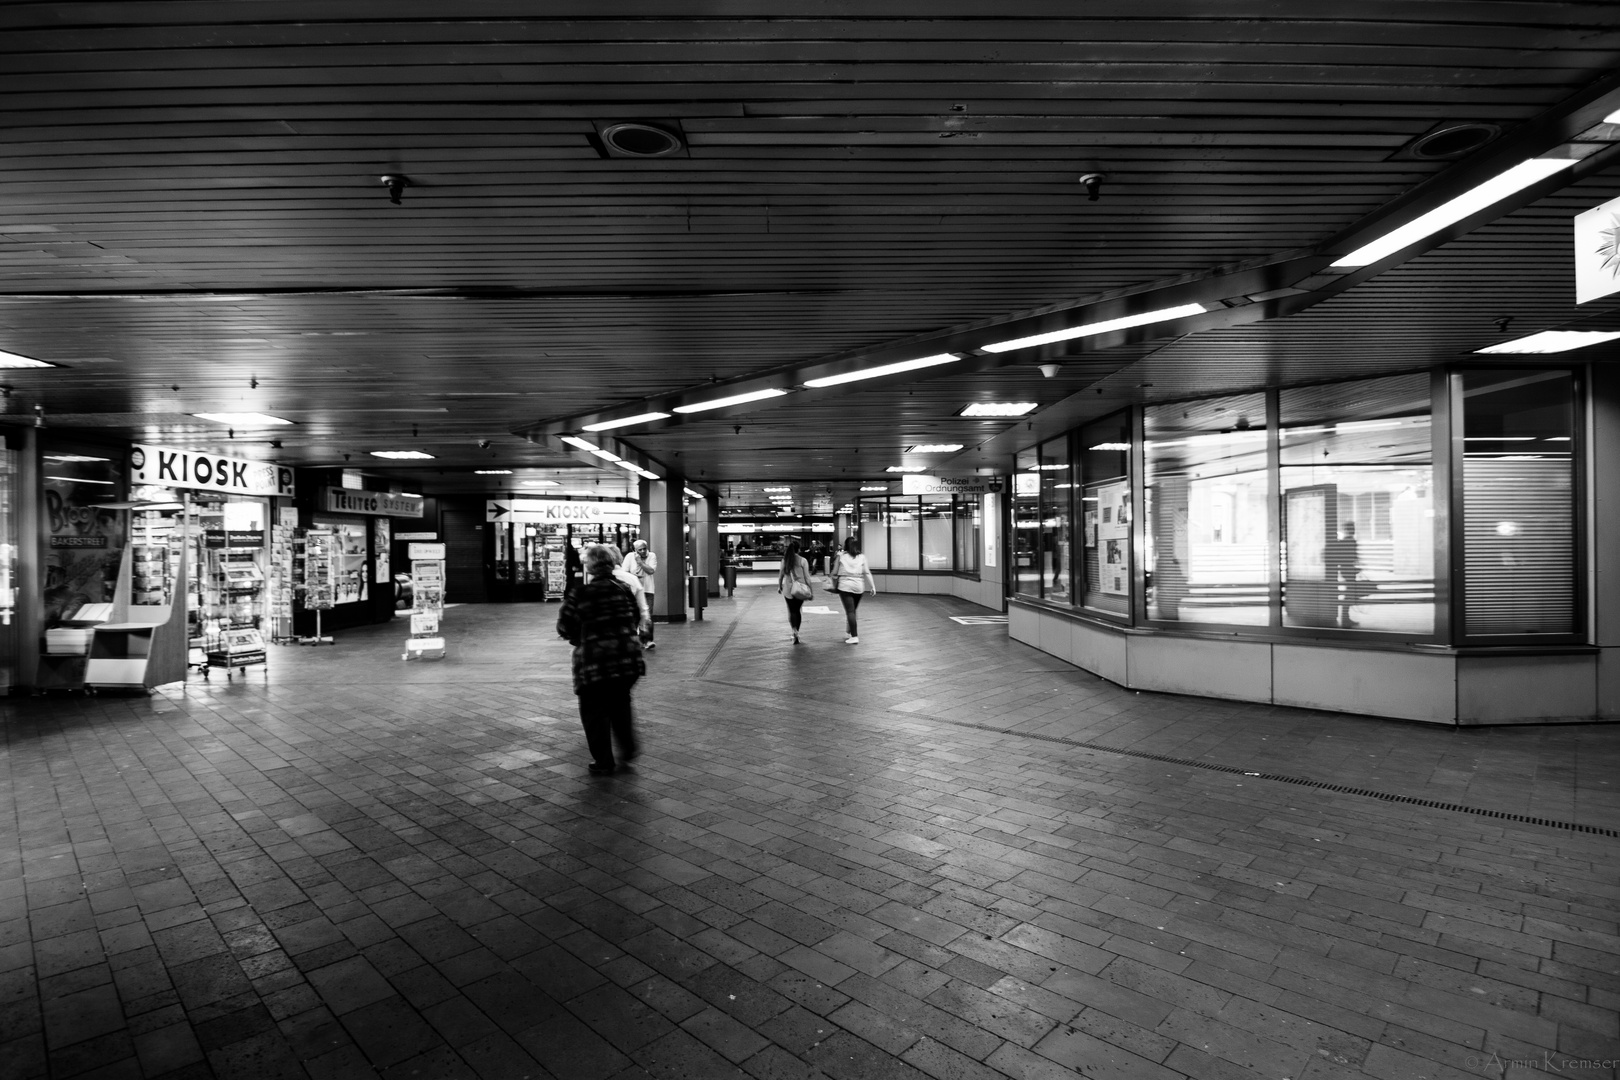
column 824, row 865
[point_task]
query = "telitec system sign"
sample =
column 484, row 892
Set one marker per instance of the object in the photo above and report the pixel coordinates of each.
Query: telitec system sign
column 167, row 467
column 351, row 501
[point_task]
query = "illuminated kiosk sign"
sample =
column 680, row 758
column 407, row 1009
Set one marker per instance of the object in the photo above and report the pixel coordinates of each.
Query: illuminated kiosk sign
column 164, row 466
column 350, row 501
column 917, row 484
column 561, row 512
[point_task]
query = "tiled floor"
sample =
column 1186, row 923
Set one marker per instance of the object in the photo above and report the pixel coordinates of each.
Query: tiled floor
column 914, row 857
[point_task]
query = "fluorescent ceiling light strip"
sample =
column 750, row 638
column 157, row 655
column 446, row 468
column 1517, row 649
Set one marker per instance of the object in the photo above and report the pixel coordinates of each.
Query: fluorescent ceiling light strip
column 497, row 472
column 1107, row 326
column 577, row 443
column 735, row 399
column 999, row 408
column 82, row 480
column 242, row 419
column 884, row 369
column 1454, row 210
column 605, row 455
column 1552, row 341
column 12, row 360
column 626, row 421
column 935, row 448
column 402, row 455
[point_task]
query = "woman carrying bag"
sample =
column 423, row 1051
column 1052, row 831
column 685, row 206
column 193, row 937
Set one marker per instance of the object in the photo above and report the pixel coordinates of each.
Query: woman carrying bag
column 851, row 578
column 794, row 584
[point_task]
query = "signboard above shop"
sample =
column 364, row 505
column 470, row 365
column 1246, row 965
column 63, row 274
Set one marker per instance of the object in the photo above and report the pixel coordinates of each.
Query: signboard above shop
column 561, row 512
column 918, row 484
column 164, row 466
column 349, row 501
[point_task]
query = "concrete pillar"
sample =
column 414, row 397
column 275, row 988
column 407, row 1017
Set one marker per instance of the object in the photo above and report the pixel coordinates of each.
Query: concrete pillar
column 705, row 515
column 28, row 625
column 663, row 526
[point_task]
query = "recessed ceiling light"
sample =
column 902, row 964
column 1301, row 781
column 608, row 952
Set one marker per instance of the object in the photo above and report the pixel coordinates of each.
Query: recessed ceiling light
column 1450, row 212
column 906, row 468
column 776, row 489
column 402, row 455
column 626, row 421
column 876, row 487
column 12, row 360
column 1124, row 322
column 884, row 369
column 1553, row 341
column 540, row 483
column 735, row 399
column 999, row 408
column 935, row 448
column 242, row 419
column 498, row 472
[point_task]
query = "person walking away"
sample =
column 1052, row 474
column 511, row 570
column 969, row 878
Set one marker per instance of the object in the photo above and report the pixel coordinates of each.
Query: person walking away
column 573, row 568
column 851, row 578
column 794, row 585
column 644, row 564
column 600, row 619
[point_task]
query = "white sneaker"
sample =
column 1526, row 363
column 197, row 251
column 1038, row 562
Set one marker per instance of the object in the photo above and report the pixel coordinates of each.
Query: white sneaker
column 852, row 641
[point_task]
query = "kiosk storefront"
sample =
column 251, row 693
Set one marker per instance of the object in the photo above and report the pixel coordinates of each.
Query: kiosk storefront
column 530, row 538
column 347, row 574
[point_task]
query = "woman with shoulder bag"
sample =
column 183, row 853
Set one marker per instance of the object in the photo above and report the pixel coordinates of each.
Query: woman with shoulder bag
column 851, row 578
column 794, row 584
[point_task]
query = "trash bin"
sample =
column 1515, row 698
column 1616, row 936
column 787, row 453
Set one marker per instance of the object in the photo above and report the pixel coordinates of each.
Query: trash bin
column 698, row 585
column 728, row 573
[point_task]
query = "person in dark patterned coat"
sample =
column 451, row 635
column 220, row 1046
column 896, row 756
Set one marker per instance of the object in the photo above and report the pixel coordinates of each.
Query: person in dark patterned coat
column 600, row 619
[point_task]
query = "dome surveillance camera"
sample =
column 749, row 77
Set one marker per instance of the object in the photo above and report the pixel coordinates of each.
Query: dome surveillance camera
column 1050, row 370
column 483, row 444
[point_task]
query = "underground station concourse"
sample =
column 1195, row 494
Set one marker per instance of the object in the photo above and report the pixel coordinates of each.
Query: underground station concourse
column 1222, row 397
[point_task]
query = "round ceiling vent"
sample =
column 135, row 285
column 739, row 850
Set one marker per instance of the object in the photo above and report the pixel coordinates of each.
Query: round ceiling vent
column 1454, row 140
column 641, row 140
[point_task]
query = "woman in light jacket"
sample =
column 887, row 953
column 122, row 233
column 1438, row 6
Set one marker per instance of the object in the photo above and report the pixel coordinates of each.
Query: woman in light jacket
column 794, row 584
column 851, row 578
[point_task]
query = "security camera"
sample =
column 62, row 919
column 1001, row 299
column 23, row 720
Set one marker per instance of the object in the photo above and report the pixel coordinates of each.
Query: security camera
column 1050, row 370
column 483, row 444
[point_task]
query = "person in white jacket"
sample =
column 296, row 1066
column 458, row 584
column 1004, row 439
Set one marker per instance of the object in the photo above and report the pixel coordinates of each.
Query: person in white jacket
column 851, row 578
column 644, row 564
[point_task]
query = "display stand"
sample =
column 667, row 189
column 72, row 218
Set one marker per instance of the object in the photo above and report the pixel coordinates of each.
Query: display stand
column 141, row 645
column 428, row 576
column 320, row 584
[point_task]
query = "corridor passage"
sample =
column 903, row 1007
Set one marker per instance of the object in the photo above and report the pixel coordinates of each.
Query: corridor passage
column 934, row 854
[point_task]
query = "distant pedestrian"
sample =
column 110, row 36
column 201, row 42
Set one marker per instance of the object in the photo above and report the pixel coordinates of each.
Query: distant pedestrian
column 573, row 568
column 600, row 620
column 851, row 578
column 818, row 557
column 644, row 564
column 633, row 583
column 794, row 585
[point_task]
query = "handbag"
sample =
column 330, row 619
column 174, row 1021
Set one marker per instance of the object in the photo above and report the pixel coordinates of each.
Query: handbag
column 799, row 590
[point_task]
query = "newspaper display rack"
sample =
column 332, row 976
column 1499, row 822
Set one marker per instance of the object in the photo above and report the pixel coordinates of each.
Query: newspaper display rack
column 427, row 574
column 320, row 585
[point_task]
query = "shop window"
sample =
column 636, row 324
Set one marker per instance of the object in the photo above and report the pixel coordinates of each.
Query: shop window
column 1358, row 521
column 968, row 515
column 903, row 530
column 1206, row 487
column 1518, row 481
column 935, row 518
column 874, row 514
column 1026, row 523
column 1103, row 452
column 1056, row 547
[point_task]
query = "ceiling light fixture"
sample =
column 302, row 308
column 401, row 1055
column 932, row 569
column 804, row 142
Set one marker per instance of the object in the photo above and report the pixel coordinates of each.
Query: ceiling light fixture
column 1553, row 341
column 776, row 489
column 540, row 483
column 1110, row 446
column 935, row 448
column 692, row 494
column 82, row 480
column 623, row 464
column 883, row 369
column 876, row 487
column 1124, row 322
column 12, row 360
column 647, row 474
column 626, row 421
column 577, row 443
column 497, row 472
column 402, row 455
column 242, row 419
column 1470, row 202
column 734, row 399
column 999, row 408
column 605, row 455
column 905, row 468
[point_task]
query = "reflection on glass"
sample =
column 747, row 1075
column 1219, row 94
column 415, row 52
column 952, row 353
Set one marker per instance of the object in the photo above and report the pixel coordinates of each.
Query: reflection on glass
column 1206, row 486
column 967, row 533
column 1104, row 514
column 935, row 516
column 1026, row 520
column 1057, row 484
column 1358, row 506
column 1518, row 502
column 874, row 534
column 903, row 533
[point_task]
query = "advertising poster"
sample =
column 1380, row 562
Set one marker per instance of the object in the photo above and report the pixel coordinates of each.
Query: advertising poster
column 380, row 542
column 84, row 541
column 1112, row 536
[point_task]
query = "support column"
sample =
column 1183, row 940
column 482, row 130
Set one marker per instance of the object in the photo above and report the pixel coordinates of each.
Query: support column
column 706, row 540
column 28, row 626
column 663, row 526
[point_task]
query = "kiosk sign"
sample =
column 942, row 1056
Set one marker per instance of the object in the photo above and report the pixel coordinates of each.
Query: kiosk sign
column 167, row 467
column 562, row 512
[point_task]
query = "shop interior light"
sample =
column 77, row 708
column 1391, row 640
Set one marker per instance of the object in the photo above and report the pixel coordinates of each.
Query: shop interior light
column 935, row 448
column 999, row 408
column 242, row 419
column 906, row 468
column 402, row 455
column 1125, row 322
column 1454, row 210
column 12, row 360
column 734, row 399
column 409, row 495
column 884, row 369
column 1553, row 341
column 493, row 472
column 626, row 421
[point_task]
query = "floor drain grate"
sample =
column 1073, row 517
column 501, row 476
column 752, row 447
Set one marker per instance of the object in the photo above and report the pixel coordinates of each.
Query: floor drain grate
column 1385, row 796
